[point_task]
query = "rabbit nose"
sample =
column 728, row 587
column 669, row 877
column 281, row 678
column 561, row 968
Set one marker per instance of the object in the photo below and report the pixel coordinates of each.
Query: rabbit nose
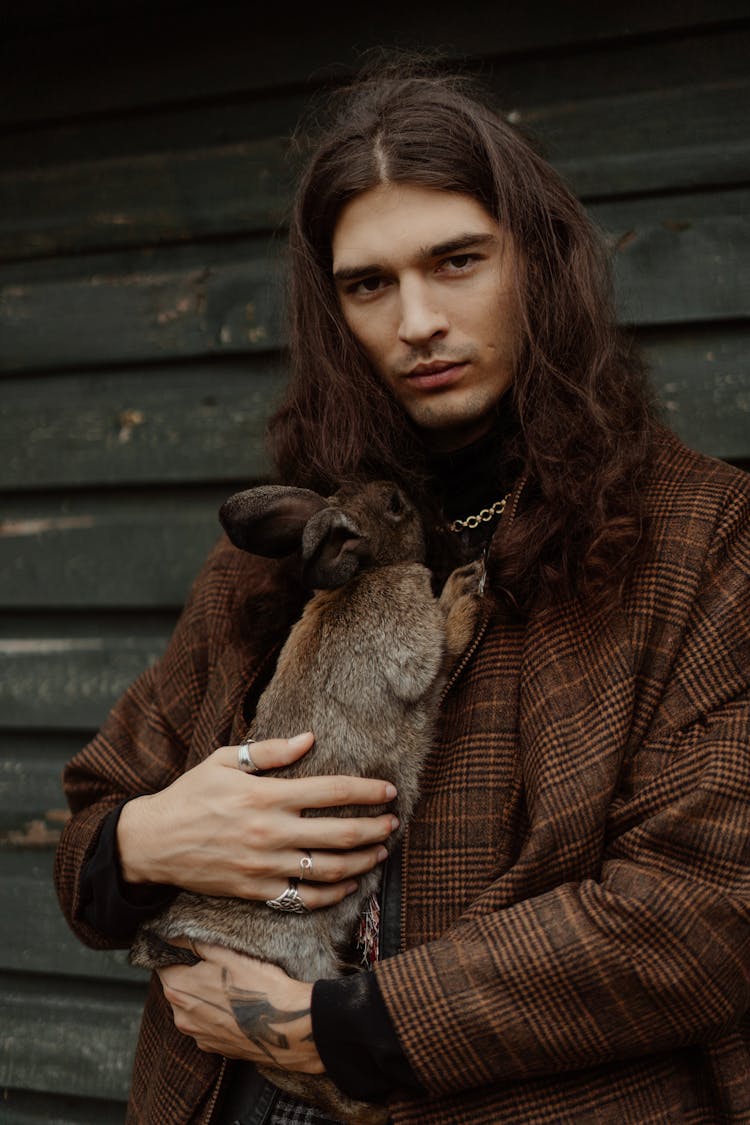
column 333, row 549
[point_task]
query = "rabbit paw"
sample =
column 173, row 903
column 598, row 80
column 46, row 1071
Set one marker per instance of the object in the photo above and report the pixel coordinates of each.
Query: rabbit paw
column 459, row 603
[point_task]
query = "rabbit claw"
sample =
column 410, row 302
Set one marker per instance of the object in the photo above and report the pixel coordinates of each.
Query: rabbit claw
column 459, row 602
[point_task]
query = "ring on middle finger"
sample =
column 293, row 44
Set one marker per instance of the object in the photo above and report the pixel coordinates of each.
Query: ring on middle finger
column 305, row 865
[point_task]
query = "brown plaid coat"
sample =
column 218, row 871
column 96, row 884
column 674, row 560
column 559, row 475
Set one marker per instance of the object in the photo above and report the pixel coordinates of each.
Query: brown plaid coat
column 577, row 878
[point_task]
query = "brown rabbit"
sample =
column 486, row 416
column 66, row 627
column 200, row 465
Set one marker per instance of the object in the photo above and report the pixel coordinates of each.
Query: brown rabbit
column 362, row 669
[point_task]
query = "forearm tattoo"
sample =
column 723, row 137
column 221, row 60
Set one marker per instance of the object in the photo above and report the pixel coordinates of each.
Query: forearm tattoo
column 255, row 1015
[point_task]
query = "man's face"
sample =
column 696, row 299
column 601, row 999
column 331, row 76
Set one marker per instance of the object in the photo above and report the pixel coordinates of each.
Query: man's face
column 425, row 282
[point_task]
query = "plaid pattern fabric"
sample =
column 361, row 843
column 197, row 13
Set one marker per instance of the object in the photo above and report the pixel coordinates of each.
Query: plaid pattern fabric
column 288, row 1112
column 576, row 878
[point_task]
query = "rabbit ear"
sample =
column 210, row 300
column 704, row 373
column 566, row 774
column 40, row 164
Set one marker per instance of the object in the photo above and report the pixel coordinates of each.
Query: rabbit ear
column 269, row 520
column 333, row 549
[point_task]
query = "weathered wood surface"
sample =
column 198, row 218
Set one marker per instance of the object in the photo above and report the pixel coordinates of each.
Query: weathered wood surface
column 702, row 379
column 204, row 422
column 68, row 1037
column 576, row 78
column 19, row 1107
column 201, row 422
column 190, row 57
column 120, row 550
column 187, row 301
column 665, row 140
column 679, row 258
column 652, row 140
column 31, row 766
column 66, row 675
column 136, row 200
column 34, row 936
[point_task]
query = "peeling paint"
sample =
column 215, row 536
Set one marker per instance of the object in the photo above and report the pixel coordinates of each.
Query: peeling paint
column 676, row 225
column 107, row 219
column 34, row 834
column 12, row 528
column 625, row 239
column 45, row 646
column 127, row 421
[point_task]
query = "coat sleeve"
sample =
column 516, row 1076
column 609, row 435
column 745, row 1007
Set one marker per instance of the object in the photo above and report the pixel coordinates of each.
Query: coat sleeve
column 653, row 953
column 143, row 744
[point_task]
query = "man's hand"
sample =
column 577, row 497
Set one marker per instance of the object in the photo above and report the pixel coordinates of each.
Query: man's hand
column 233, row 1005
column 219, row 831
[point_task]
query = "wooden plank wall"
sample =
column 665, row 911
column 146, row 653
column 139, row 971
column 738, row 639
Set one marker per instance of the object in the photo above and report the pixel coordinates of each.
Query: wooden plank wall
column 143, row 188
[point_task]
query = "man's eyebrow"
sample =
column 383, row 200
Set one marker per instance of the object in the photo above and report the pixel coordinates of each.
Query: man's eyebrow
column 439, row 250
column 352, row 273
column 461, row 242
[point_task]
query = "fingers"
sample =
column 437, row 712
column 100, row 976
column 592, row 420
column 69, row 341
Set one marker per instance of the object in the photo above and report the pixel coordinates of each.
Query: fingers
column 322, row 792
column 339, row 834
column 307, row 792
column 330, row 867
column 314, row 895
column 270, row 753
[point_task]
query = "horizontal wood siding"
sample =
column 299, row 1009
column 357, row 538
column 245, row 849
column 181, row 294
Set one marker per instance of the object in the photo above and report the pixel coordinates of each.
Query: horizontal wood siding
column 146, row 165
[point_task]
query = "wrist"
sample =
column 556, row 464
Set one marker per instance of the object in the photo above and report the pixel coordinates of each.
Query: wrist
column 301, row 1000
column 136, row 863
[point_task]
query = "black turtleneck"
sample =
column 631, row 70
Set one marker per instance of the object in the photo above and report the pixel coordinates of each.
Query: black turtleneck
column 473, row 478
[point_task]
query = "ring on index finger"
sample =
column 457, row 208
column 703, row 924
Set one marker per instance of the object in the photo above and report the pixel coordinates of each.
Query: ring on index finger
column 244, row 761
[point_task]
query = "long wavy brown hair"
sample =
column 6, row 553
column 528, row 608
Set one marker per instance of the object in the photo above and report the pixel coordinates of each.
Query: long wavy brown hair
column 584, row 421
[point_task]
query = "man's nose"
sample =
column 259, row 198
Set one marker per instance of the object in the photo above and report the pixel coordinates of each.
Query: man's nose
column 422, row 318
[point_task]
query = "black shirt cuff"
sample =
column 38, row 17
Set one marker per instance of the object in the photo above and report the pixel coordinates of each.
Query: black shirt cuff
column 110, row 905
column 357, row 1041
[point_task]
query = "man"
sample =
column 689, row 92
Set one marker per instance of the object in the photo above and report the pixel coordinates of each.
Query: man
column 566, row 937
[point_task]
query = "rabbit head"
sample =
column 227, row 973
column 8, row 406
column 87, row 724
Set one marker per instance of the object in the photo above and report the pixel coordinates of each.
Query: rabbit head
column 361, row 526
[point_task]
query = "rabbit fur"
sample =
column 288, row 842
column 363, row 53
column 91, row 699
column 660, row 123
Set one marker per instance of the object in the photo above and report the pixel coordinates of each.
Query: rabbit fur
column 363, row 669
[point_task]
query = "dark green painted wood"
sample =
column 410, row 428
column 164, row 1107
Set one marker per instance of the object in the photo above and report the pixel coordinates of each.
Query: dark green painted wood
column 660, row 141
column 651, row 140
column 702, row 378
column 681, row 258
column 106, row 551
column 68, row 1037
column 186, row 301
column 190, row 57
column 132, row 201
column 200, row 422
column 34, row 937
column 22, row 1108
column 30, row 783
column 66, row 677
column 694, row 58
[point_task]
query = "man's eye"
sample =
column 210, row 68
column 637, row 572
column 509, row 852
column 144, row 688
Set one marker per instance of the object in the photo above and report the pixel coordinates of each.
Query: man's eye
column 366, row 285
column 459, row 261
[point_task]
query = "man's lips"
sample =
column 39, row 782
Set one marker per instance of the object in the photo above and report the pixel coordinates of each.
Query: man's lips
column 439, row 373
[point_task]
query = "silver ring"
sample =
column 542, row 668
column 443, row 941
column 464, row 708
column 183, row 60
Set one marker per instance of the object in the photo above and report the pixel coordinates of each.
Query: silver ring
column 244, row 761
column 289, row 900
column 306, row 866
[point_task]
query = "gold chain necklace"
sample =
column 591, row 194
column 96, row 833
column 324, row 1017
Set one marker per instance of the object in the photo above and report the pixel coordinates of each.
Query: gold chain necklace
column 484, row 516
